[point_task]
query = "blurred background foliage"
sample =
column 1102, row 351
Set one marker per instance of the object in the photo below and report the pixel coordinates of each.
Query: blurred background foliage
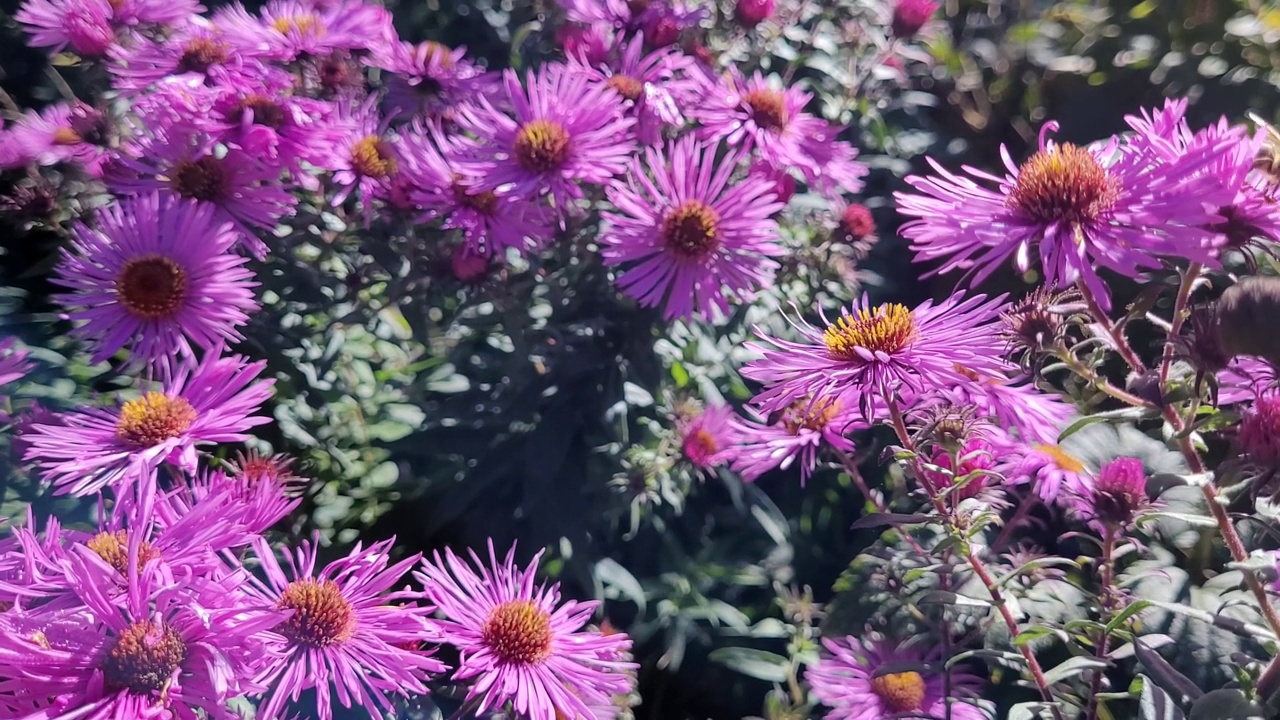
column 534, row 406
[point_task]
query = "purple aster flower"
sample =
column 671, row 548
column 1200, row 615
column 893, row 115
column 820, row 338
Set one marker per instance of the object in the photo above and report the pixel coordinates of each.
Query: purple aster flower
column 871, row 352
column 348, row 633
column 430, row 79
column 591, row 43
column 439, row 184
column 155, row 650
column 82, row 25
column 835, row 169
column 265, row 119
column 648, row 84
column 685, row 232
column 66, row 132
column 366, row 157
column 1260, row 430
column 709, row 437
column 797, row 432
column 565, row 131
column 244, row 189
column 1018, row 407
column 1056, row 475
column 910, row 17
column 519, row 643
column 212, row 402
column 1077, row 209
column 756, row 114
column 155, row 12
column 13, row 361
column 875, row 680
column 288, row 29
column 157, row 275
column 1243, row 379
column 197, row 53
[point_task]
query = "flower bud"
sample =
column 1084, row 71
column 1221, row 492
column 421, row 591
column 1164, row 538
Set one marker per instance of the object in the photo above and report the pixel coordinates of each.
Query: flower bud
column 469, row 267
column 750, row 13
column 1119, row 492
column 909, row 16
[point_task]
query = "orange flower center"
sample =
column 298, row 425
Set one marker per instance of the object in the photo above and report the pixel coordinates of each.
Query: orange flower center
column 65, row 136
column 768, row 108
column 203, row 179
column 200, row 54
column 113, row 548
column 151, row 286
column 144, row 658
column 483, row 202
column 542, row 146
column 154, row 418
column 321, row 615
column 1061, row 457
column 518, row 632
column 371, row 156
column 626, row 86
column 691, row 230
column 900, row 692
column 885, row 329
column 1063, row 184
column 805, row 414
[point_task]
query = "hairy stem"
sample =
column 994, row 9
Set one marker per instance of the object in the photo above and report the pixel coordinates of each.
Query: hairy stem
column 1101, row 383
column 1118, row 340
column 1179, row 316
column 975, row 563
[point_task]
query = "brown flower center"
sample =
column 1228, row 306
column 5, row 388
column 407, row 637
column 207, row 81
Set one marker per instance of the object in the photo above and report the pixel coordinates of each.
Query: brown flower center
column 542, row 146
column 113, row 548
column 626, row 86
column 483, row 202
column 518, row 632
column 691, row 230
column 200, row 54
column 265, row 111
column 203, row 179
column 321, row 617
column 806, row 414
column 371, row 156
column 1064, row 184
column 154, row 418
column 1061, row 457
column 886, row 329
column 900, row 692
column 768, row 108
column 65, row 136
column 152, row 287
column 144, row 658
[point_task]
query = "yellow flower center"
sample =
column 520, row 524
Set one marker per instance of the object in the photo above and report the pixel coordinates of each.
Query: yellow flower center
column 154, row 418
column 886, row 329
column 900, row 692
column 371, row 156
column 691, row 230
column 1063, row 184
column 152, row 287
column 518, row 632
column 113, row 548
column 1061, row 457
column 542, row 146
column 303, row 24
column 321, row 615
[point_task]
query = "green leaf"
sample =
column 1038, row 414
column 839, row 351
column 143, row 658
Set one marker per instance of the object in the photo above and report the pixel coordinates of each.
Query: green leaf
column 610, row 573
column 1072, row 667
column 893, row 519
column 946, row 597
column 1130, row 610
column 759, row 664
column 1037, row 633
column 1129, row 414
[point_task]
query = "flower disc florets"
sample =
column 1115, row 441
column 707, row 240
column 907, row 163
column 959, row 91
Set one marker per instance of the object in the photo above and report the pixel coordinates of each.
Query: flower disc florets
column 154, row 418
column 900, row 692
column 542, row 146
column 1063, row 183
column 151, row 286
column 143, row 658
column 518, row 632
column 886, row 329
column 201, row 179
column 321, row 617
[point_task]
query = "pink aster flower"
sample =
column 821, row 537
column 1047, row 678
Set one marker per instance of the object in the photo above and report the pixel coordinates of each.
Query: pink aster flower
column 258, row 493
column 910, row 16
column 1056, row 475
column 797, row 432
column 66, row 132
column 288, row 29
column 429, row 78
column 708, row 438
column 686, row 232
column 82, row 25
column 1077, row 209
column 756, row 114
column 197, row 53
column 519, row 643
column 212, row 402
column 439, row 184
column 243, row 188
column 876, row 680
column 871, row 352
column 565, row 131
column 264, row 118
column 1243, row 379
column 365, row 158
column 13, row 361
column 1260, row 430
column 155, row 12
column 648, row 85
column 591, row 43
column 348, row 634
column 157, row 276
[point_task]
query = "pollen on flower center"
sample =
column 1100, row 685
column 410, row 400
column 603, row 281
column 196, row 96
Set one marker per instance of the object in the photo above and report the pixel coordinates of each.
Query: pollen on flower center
column 303, row 24
column 1061, row 458
column 900, row 692
column 483, row 202
column 626, row 86
column 691, row 230
column 65, row 136
column 113, row 548
column 321, row 617
column 1063, row 184
column 203, row 179
column 200, row 54
column 542, row 146
column 265, row 111
column 151, row 286
column 768, row 108
column 144, row 658
column 154, row 418
column 806, row 414
column 518, row 632
column 371, row 156
column 886, row 329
